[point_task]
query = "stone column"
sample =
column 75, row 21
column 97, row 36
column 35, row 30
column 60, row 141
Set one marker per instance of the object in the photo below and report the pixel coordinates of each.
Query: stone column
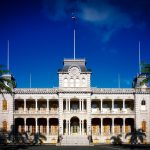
column 66, row 127
column 69, row 126
column 112, row 126
column 25, row 105
column 112, row 105
column 101, row 126
column 36, row 125
column 69, row 104
column 25, row 127
column 47, row 126
column 36, row 106
column 80, row 104
column 124, row 126
column 66, row 104
column 101, row 105
column 47, row 105
column 80, row 126
column 123, row 104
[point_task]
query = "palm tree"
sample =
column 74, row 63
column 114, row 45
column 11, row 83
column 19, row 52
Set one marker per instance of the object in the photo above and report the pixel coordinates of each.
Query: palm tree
column 38, row 138
column 116, row 139
column 145, row 69
column 3, row 81
column 135, row 136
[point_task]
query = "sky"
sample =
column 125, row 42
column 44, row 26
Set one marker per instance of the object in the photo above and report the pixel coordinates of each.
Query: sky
column 40, row 33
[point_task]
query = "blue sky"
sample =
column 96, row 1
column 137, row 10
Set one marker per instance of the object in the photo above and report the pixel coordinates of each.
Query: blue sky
column 107, row 35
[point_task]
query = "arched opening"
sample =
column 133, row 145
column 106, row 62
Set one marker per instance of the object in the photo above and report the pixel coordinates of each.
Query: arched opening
column 107, row 124
column 42, row 123
column 19, row 105
column 129, row 125
column 85, row 127
column 42, row 105
column 74, row 105
column 74, row 125
column 19, row 125
column 96, row 123
column 30, row 122
column 64, row 127
column 118, row 105
column 95, row 106
column 30, row 104
column 129, row 104
column 107, row 105
column 53, row 122
column 118, row 125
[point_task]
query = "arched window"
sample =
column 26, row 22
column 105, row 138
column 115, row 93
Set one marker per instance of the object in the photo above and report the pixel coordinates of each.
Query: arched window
column 65, row 82
column 71, row 82
column 4, row 105
column 143, row 102
column 77, row 82
column 144, row 126
column 5, row 126
column 83, row 82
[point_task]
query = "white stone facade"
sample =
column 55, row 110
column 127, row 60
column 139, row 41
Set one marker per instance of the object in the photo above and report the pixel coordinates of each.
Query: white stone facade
column 77, row 109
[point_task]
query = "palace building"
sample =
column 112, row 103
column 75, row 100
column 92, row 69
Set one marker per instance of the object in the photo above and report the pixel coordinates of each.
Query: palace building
column 75, row 110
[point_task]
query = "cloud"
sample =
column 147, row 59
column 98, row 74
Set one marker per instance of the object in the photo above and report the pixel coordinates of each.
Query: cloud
column 103, row 15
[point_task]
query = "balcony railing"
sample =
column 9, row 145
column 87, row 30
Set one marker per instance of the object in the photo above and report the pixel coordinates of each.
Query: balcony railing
column 34, row 111
column 113, row 111
column 75, row 111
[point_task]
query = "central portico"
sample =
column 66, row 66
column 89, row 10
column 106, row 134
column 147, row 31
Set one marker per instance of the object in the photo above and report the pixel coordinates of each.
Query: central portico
column 74, row 97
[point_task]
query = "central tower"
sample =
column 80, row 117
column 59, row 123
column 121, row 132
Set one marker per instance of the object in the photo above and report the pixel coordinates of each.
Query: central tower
column 74, row 74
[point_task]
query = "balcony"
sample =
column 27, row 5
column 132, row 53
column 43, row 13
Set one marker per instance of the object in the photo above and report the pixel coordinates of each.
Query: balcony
column 75, row 111
column 34, row 111
column 112, row 111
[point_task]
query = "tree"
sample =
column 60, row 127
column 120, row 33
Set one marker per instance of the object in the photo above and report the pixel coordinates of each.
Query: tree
column 135, row 136
column 38, row 138
column 3, row 81
column 145, row 69
column 116, row 139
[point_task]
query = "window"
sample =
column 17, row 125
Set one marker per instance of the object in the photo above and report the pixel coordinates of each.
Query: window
column 77, row 82
column 4, row 105
column 5, row 126
column 83, row 82
column 65, row 82
column 143, row 105
column 71, row 82
column 144, row 126
column 143, row 102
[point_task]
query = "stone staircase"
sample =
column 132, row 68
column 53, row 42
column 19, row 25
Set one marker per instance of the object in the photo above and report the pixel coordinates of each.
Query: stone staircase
column 75, row 140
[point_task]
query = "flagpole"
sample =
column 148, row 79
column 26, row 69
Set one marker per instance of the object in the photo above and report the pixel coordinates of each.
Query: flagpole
column 8, row 55
column 74, row 44
column 139, row 57
column 118, row 80
column 30, row 80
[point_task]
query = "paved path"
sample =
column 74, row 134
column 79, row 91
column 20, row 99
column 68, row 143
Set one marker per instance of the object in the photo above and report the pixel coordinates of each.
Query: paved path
column 51, row 147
